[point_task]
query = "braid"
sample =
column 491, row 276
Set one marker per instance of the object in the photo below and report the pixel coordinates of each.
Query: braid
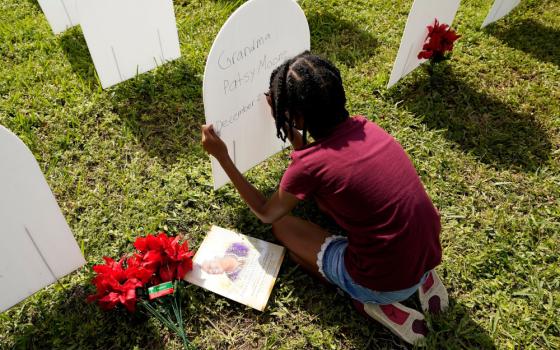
column 310, row 86
column 279, row 98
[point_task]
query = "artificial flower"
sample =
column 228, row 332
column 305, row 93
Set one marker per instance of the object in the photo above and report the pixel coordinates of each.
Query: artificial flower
column 116, row 284
column 440, row 40
column 158, row 259
column 166, row 256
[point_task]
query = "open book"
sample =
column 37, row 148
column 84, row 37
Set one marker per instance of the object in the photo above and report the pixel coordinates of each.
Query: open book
column 237, row 267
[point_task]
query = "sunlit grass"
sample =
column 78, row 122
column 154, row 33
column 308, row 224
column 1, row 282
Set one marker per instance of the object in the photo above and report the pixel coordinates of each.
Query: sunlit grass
column 484, row 136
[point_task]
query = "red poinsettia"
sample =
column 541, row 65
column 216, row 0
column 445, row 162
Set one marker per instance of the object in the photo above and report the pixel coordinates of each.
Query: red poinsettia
column 159, row 259
column 166, row 256
column 439, row 41
column 116, row 284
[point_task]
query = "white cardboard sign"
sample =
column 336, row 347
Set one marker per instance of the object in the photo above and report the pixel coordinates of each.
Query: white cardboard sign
column 37, row 245
column 500, row 9
column 258, row 37
column 128, row 37
column 422, row 14
column 61, row 14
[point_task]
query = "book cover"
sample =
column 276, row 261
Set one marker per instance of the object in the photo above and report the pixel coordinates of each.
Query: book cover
column 236, row 266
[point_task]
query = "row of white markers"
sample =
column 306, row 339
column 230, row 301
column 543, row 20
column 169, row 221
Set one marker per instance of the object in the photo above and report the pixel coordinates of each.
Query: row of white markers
column 128, row 37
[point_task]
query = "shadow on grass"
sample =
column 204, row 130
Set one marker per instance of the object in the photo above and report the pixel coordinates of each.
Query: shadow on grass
column 244, row 221
column 455, row 329
column 34, row 3
column 75, row 47
column 340, row 40
column 531, row 37
column 481, row 125
column 74, row 324
column 163, row 109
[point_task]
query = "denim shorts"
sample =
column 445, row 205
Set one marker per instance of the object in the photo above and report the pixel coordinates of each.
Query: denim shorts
column 330, row 261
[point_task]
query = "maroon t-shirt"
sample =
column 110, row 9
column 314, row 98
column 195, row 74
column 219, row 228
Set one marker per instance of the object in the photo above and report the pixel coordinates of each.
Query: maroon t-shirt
column 361, row 176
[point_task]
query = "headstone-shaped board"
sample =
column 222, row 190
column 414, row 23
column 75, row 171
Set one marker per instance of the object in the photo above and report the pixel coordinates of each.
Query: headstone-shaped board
column 500, row 9
column 61, row 14
column 422, row 14
column 128, row 37
column 256, row 39
column 37, row 245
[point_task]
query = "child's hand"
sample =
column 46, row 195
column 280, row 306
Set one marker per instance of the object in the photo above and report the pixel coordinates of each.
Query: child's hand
column 213, row 144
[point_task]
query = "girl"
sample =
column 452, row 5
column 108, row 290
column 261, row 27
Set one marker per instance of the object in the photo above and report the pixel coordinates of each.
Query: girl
column 359, row 175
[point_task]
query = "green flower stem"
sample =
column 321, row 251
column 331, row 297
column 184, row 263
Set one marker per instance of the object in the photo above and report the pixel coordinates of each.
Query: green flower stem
column 166, row 319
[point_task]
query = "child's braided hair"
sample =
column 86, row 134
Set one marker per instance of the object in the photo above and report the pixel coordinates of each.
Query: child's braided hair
column 310, row 86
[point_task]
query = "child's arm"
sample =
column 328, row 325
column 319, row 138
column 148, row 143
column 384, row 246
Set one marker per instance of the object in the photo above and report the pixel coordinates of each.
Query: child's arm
column 268, row 211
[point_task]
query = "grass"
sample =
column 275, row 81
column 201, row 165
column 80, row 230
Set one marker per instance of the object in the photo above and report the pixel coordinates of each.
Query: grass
column 484, row 136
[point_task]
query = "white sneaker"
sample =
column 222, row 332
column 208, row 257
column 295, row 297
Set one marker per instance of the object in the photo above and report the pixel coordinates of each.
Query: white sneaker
column 433, row 295
column 405, row 322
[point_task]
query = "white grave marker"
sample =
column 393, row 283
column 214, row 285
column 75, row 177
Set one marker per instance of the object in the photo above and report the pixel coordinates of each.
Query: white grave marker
column 37, row 245
column 500, row 9
column 422, row 14
column 257, row 38
column 61, row 14
column 128, row 37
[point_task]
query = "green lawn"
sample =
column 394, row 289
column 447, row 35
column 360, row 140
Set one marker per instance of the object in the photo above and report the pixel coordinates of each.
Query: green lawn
column 484, row 136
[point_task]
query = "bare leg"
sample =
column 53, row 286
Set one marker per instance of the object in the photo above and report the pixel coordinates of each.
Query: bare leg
column 303, row 239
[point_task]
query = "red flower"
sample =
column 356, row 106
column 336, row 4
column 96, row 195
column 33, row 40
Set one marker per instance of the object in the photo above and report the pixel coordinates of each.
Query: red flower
column 115, row 284
column 165, row 256
column 137, row 269
column 160, row 259
column 440, row 40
